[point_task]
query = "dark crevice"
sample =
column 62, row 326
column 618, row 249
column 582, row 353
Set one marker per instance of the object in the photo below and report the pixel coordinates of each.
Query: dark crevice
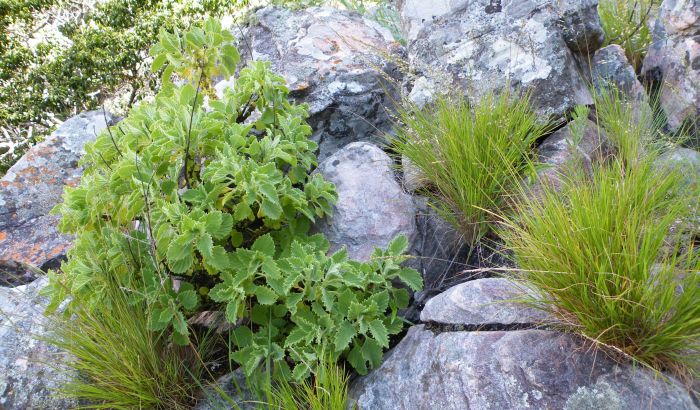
column 438, row 328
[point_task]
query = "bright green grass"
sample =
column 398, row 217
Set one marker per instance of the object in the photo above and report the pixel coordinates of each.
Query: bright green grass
column 328, row 390
column 121, row 363
column 626, row 22
column 600, row 252
column 470, row 154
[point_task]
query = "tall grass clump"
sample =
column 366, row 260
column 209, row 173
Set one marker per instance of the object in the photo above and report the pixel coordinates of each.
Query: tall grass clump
column 606, row 255
column 470, row 154
column 626, row 22
column 116, row 362
column 327, row 390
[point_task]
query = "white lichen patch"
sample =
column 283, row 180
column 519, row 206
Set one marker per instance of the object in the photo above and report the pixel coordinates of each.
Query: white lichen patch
column 516, row 62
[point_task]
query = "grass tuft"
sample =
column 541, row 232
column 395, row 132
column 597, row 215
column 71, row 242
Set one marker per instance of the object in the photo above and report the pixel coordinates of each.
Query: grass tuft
column 607, row 255
column 471, row 154
column 120, row 363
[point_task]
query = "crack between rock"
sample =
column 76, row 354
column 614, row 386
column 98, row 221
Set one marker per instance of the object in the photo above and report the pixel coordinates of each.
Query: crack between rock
column 438, row 328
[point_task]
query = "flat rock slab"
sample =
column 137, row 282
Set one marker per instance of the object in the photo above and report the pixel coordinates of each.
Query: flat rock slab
column 524, row 369
column 336, row 61
column 33, row 186
column 372, row 209
column 489, row 301
column 28, row 367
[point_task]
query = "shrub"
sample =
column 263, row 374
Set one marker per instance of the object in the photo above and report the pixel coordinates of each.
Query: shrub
column 597, row 252
column 626, row 22
column 193, row 206
column 471, row 154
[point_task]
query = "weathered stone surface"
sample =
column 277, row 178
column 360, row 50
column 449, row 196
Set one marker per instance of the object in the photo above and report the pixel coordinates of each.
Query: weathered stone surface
column 481, row 46
column 234, row 387
column 610, row 67
column 680, row 16
column 562, row 156
column 33, row 186
column 488, row 301
column 580, row 25
column 674, row 59
column 28, row 367
column 684, row 160
column 335, row 61
column 521, row 369
column 440, row 250
column 372, row 208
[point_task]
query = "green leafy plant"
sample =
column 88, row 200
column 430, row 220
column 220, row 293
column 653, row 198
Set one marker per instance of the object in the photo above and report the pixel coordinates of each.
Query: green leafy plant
column 471, row 154
column 606, row 254
column 195, row 206
column 626, row 22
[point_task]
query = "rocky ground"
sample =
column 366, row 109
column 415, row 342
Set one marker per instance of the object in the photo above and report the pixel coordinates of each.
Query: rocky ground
column 472, row 346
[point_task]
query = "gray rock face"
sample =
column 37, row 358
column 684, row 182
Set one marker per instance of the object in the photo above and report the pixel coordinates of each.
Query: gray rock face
column 32, row 187
column 337, row 62
column 580, row 25
column 440, row 250
column 562, row 155
column 483, row 45
column 27, row 366
column 488, row 301
column 674, row 59
column 610, row 67
column 372, row 208
column 685, row 160
column 534, row 369
column 233, row 385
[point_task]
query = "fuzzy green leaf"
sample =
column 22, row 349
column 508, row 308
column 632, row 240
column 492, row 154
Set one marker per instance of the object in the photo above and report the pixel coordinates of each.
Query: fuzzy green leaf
column 346, row 332
column 379, row 332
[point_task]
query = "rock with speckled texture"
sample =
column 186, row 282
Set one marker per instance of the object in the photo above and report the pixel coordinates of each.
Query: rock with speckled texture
column 372, row 209
column 483, row 45
column 31, row 188
column 488, row 301
column 673, row 59
column 336, row 61
column 580, row 25
column 611, row 68
column 561, row 155
column 521, row 369
column 29, row 369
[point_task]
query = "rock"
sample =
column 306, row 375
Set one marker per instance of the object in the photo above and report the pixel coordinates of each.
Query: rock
column 580, row 25
column 680, row 16
column 372, row 209
column 234, row 387
column 685, row 160
column 562, row 155
column 337, row 62
column 520, row 369
column 28, row 367
column 32, row 187
column 673, row 59
column 484, row 45
column 610, row 68
column 440, row 250
column 482, row 302
column 413, row 178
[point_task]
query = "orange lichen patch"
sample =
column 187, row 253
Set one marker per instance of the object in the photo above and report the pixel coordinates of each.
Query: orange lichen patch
column 3, row 236
column 4, row 184
column 302, row 85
